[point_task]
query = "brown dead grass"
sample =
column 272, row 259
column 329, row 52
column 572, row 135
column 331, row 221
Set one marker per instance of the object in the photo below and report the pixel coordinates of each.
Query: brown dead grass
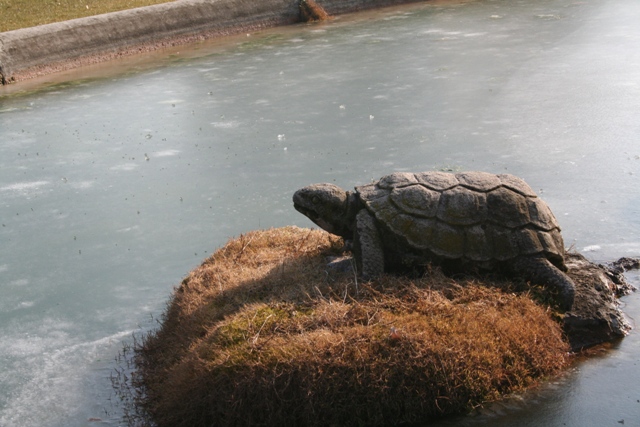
column 264, row 334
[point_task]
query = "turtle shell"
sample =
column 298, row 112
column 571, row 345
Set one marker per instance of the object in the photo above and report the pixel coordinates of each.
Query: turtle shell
column 477, row 216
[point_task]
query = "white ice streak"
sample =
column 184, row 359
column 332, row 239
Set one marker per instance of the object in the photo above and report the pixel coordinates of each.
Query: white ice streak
column 22, row 187
column 19, row 282
column 393, row 17
column 232, row 124
column 166, row 153
column 444, row 33
column 127, row 229
column 82, row 185
column 49, row 374
column 124, row 167
column 615, row 250
column 548, row 16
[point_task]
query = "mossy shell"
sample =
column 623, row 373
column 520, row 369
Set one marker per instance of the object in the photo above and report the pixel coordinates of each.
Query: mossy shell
column 476, row 216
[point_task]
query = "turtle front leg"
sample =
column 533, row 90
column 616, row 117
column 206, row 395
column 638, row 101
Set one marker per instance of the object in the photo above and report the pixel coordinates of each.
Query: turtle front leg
column 367, row 246
column 541, row 271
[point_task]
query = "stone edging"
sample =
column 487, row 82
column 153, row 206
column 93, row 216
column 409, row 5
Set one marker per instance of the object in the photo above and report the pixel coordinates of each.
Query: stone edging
column 45, row 49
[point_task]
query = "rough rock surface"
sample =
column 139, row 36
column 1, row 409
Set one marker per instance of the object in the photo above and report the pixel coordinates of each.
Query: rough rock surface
column 596, row 316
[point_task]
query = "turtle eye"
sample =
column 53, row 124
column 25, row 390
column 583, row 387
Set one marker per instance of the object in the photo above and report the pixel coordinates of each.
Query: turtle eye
column 315, row 200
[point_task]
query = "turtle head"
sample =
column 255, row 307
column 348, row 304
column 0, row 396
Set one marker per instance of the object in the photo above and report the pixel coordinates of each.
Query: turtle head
column 327, row 205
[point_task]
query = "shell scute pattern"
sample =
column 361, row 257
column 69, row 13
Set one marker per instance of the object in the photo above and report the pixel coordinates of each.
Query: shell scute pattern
column 541, row 215
column 384, row 211
column 504, row 245
column 479, row 181
column 477, row 246
column 451, row 242
column 474, row 215
column 397, row 179
column 461, row 206
column 418, row 230
column 438, row 181
column 416, row 200
column 517, row 184
column 508, row 208
column 371, row 192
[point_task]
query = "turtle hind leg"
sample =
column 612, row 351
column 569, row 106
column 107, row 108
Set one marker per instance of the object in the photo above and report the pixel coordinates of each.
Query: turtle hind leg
column 541, row 271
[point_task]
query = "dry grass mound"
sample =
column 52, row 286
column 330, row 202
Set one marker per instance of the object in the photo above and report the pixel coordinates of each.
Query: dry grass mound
column 263, row 333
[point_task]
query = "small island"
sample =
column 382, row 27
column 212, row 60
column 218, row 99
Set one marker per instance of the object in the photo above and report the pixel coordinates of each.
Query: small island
column 266, row 332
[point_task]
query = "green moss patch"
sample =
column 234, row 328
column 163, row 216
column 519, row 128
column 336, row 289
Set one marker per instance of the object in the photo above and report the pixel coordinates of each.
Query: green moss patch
column 264, row 333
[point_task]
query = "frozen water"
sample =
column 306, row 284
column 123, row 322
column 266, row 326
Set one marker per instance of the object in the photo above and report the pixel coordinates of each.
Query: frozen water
column 112, row 189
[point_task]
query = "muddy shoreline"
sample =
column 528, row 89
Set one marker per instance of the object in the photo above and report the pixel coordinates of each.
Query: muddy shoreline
column 33, row 52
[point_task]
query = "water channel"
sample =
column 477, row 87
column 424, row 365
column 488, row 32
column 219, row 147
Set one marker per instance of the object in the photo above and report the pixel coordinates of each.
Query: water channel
column 115, row 184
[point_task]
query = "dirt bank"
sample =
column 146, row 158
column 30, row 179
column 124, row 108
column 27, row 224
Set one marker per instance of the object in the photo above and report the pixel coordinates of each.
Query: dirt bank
column 46, row 49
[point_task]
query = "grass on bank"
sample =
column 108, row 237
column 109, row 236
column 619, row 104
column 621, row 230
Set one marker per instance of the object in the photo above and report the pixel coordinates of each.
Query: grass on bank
column 16, row 14
column 263, row 333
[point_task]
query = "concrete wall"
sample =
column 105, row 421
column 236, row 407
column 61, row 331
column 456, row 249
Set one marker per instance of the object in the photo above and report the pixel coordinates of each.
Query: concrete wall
column 39, row 50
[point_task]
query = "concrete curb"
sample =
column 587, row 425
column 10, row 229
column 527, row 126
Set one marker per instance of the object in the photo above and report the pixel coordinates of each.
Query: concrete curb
column 45, row 49
column 38, row 50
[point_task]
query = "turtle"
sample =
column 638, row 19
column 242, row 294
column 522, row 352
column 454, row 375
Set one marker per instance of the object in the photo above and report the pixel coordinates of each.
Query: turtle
column 468, row 220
